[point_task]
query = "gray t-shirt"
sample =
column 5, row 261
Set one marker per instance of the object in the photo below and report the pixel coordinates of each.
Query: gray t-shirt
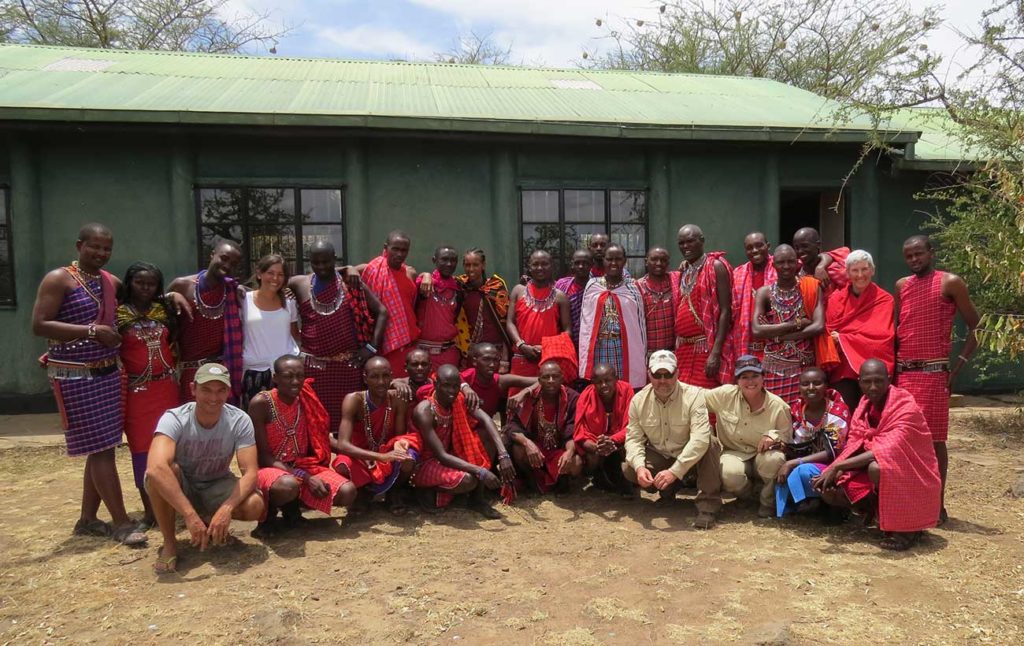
column 204, row 454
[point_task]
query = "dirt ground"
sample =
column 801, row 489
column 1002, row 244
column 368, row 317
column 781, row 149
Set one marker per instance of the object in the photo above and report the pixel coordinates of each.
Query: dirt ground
column 586, row 569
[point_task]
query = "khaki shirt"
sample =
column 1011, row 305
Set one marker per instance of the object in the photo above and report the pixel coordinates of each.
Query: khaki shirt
column 740, row 429
column 676, row 429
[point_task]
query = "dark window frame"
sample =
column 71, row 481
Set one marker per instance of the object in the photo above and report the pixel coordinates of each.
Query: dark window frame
column 564, row 266
column 244, row 220
column 12, row 302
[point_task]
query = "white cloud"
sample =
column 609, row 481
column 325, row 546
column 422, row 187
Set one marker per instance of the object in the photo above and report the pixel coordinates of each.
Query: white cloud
column 550, row 32
column 379, row 42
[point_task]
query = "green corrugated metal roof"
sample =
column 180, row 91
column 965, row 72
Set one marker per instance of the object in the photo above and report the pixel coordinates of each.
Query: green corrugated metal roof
column 72, row 84
column 941, row 138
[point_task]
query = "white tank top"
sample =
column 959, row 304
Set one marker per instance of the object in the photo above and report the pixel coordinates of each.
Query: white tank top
column 268, row 335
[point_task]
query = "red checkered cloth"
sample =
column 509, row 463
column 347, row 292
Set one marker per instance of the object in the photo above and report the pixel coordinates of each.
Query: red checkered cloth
column 199, row 339
column 661, row 300
column 560, row 349
column 701, row 307
column 931, row 392
column 924, row 332
column 329, row 336
column 398, row 300
column 308, row 448
column 910, row 488
column 925, row 319
column 787, row 388
column 745, row 282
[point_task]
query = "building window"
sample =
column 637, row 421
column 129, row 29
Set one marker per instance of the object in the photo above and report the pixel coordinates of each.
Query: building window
column 562, row 221
column 285, row 221
column 7, row 294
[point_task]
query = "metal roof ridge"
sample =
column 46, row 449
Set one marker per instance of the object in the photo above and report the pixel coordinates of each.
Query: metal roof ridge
column 255, row 57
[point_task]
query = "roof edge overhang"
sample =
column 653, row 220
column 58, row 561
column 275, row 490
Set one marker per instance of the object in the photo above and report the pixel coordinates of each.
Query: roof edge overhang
column 681, row 132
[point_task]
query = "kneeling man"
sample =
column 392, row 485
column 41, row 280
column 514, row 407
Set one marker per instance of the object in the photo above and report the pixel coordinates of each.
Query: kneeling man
column 668, row 434
column 540, row 434
column 293, row 441
column 455, row 459
column 888, row 464
column 374, row 451
column 602, row 413
column 189, row 467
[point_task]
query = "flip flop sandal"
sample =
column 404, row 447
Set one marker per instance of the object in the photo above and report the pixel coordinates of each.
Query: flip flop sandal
column 165, row 565
column 130, row 535
column 95, row 527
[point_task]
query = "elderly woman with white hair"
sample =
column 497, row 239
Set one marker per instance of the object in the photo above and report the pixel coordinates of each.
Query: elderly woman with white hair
column 860, row 319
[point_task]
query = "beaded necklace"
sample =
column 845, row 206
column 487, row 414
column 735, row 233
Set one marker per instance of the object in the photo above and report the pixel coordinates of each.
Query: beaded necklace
column 536, row 304
column 289, row 429
column 442, row 420
column 658, row 296
column 208, row 311
column 374, row 442
column 688, row 277
column 786, row 303
column 324, row 309
column 435, row 296
column 80, row 278
column 548, row 428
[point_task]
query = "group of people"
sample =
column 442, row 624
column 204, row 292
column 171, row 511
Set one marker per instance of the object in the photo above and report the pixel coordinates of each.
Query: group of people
column 793, row 380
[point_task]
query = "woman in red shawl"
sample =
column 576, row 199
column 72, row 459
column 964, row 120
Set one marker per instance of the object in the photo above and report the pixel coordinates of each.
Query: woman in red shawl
column 484, row 309
column 888, row 465
column 293, row 441
column 860, row 319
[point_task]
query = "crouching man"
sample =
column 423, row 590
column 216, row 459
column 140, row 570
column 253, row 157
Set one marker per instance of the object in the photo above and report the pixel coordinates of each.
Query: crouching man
column 189, row 467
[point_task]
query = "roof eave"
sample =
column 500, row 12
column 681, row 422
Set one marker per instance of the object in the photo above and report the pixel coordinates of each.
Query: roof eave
column 537, row 127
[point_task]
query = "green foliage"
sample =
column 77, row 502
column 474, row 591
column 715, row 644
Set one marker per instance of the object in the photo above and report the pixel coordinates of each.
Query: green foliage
column 870, row 52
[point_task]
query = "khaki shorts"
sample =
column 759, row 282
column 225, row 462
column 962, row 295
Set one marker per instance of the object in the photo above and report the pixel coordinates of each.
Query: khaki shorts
column 207, row 496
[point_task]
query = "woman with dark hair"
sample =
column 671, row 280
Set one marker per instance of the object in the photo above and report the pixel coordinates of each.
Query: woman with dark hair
column 148, row 329
column 270, row 318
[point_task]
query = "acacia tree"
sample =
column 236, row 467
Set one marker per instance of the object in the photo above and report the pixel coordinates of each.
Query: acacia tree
column 869, row 52
column 475, row 49
column 979, row 221
column 179, row 25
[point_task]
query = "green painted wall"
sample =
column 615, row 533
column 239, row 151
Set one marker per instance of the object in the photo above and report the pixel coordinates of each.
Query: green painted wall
column 455, row 191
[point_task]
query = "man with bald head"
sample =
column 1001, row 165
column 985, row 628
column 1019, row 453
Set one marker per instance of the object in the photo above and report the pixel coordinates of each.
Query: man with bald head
column 75, row 312
column 213, row 333
column 829, row 268
column 660, row 289
column 758, row 271
column 375, row 452
column 539, row 436
column 927, row 303
column 456, row 458
column 787, row 326
column 393, row 282
column 704, row 316
column 342, row 327
column 888, row 465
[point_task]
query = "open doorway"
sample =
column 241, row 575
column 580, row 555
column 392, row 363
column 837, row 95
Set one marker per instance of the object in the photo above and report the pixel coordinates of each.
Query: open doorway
column 819, row 208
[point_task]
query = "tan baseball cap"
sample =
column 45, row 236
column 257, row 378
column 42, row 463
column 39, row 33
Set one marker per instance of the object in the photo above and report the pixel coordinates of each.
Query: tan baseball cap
column 662, row 360
column 212, row 372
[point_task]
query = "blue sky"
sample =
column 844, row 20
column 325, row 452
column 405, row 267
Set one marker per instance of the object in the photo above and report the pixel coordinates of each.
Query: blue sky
column 541, row 32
